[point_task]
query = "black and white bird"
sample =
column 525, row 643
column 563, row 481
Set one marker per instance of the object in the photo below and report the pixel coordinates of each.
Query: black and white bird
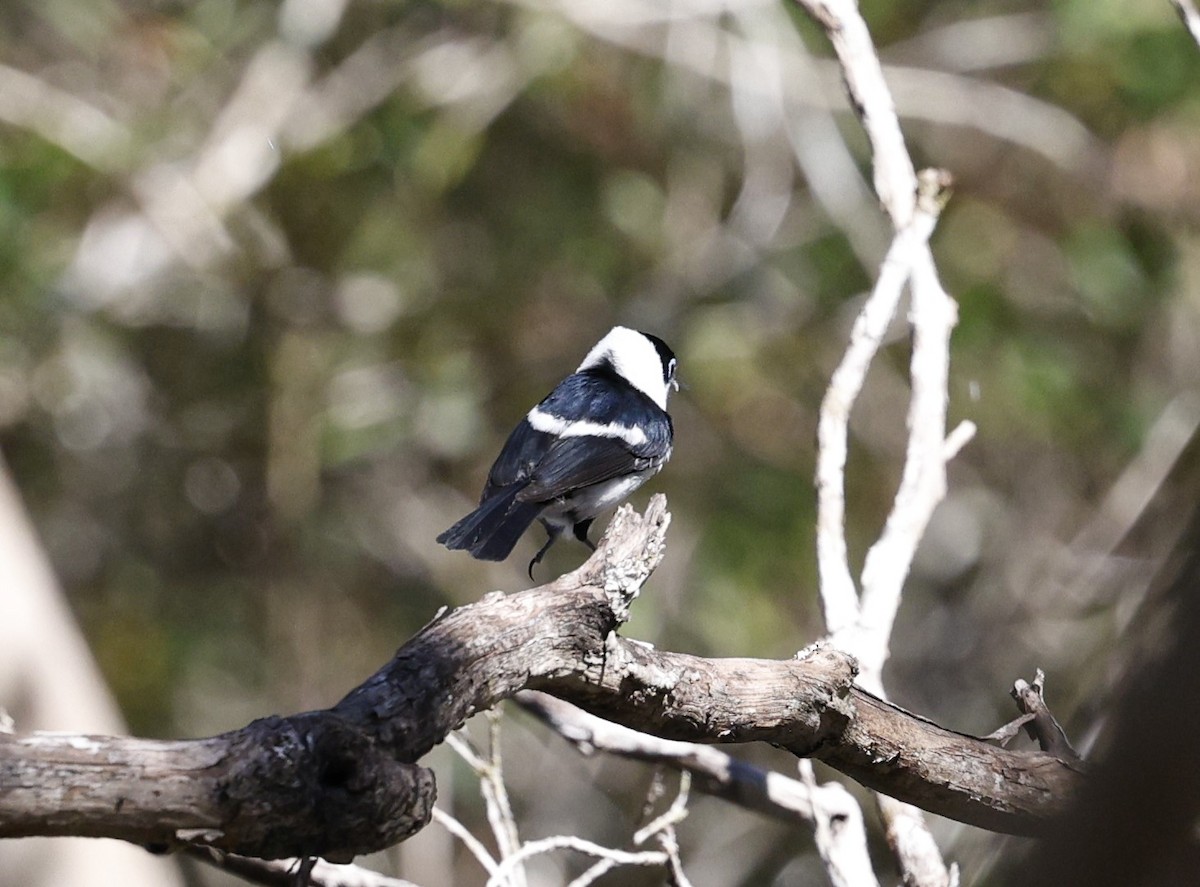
column 590, row 443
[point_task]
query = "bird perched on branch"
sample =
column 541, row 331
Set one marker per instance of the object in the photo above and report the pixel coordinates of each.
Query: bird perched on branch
column 590, row 443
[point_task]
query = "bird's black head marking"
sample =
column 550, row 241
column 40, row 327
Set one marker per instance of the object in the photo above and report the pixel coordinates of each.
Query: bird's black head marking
column 665, row 354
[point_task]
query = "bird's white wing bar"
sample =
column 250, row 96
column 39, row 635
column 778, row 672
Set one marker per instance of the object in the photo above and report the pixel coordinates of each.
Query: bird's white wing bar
column 551, row 424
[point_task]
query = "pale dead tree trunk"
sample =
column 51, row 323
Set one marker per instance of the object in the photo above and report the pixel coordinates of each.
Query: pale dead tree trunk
column 54, row 684
column 859, row 619
column 344, row 781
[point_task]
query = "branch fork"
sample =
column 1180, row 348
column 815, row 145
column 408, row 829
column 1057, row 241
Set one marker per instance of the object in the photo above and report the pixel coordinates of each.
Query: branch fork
column 344, row 781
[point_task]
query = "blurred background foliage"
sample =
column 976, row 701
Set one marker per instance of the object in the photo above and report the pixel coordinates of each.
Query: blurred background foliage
column 276, row 280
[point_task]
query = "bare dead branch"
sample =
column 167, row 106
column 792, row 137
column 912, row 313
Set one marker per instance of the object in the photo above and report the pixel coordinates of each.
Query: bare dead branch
column 282, row 872
column 838, row 594
column 1042, row 726
column 310, row 784
column 714, row 771
column 923, row 482
column 913, row 845
column 473, row 844
column 840, row 833
column 490, row 771
column 1010, row 731
column 895, row 176
column 579, row 845
column 862, row 625
column 340, row 782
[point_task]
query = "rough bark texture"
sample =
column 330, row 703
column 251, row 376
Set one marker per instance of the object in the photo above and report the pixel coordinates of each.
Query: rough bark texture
column 276, row 785
column 342, row 782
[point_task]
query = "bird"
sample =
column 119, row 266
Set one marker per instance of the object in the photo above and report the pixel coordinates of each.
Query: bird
column 593, row 440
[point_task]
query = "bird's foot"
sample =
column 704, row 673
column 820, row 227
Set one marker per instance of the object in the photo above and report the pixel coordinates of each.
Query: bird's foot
column 537, row 558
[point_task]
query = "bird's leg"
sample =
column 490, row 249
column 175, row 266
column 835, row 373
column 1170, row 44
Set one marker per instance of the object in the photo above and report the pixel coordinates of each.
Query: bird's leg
column 581, row 533
column 537, row 558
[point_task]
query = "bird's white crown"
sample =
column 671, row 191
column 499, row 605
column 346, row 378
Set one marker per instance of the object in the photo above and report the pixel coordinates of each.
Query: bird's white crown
column 634, row 358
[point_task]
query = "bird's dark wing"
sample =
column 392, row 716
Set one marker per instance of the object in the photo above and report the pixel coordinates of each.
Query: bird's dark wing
column 521, row 454
column 577, row 455
column 576, row 462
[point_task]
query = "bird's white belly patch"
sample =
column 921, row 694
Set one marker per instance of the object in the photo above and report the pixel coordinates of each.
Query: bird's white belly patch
column 590, row 501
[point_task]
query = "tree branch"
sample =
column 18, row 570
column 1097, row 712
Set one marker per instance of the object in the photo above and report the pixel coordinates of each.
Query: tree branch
column 341, row 782
column 714, row 772
column 310, row 784
column 282, row 872
column 863, row 625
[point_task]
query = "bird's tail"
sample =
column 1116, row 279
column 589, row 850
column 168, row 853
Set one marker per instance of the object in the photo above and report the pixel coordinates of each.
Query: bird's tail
column 491, row 531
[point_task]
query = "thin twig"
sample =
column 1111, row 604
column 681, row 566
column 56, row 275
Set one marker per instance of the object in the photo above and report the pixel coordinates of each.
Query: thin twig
column 963, row 434
column 1191, row 18
column 913, row 845
column 674, row 814
column 490, row 771
column 715, row 772
column 670, row 845
column 495, row 797
column 662, row 829
column 500, row 817
column 593, row 874
column 845, row 855
column 462, row 746
column 282, row 872
column 460, row 831
column 580, row 845
column 839, row 833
